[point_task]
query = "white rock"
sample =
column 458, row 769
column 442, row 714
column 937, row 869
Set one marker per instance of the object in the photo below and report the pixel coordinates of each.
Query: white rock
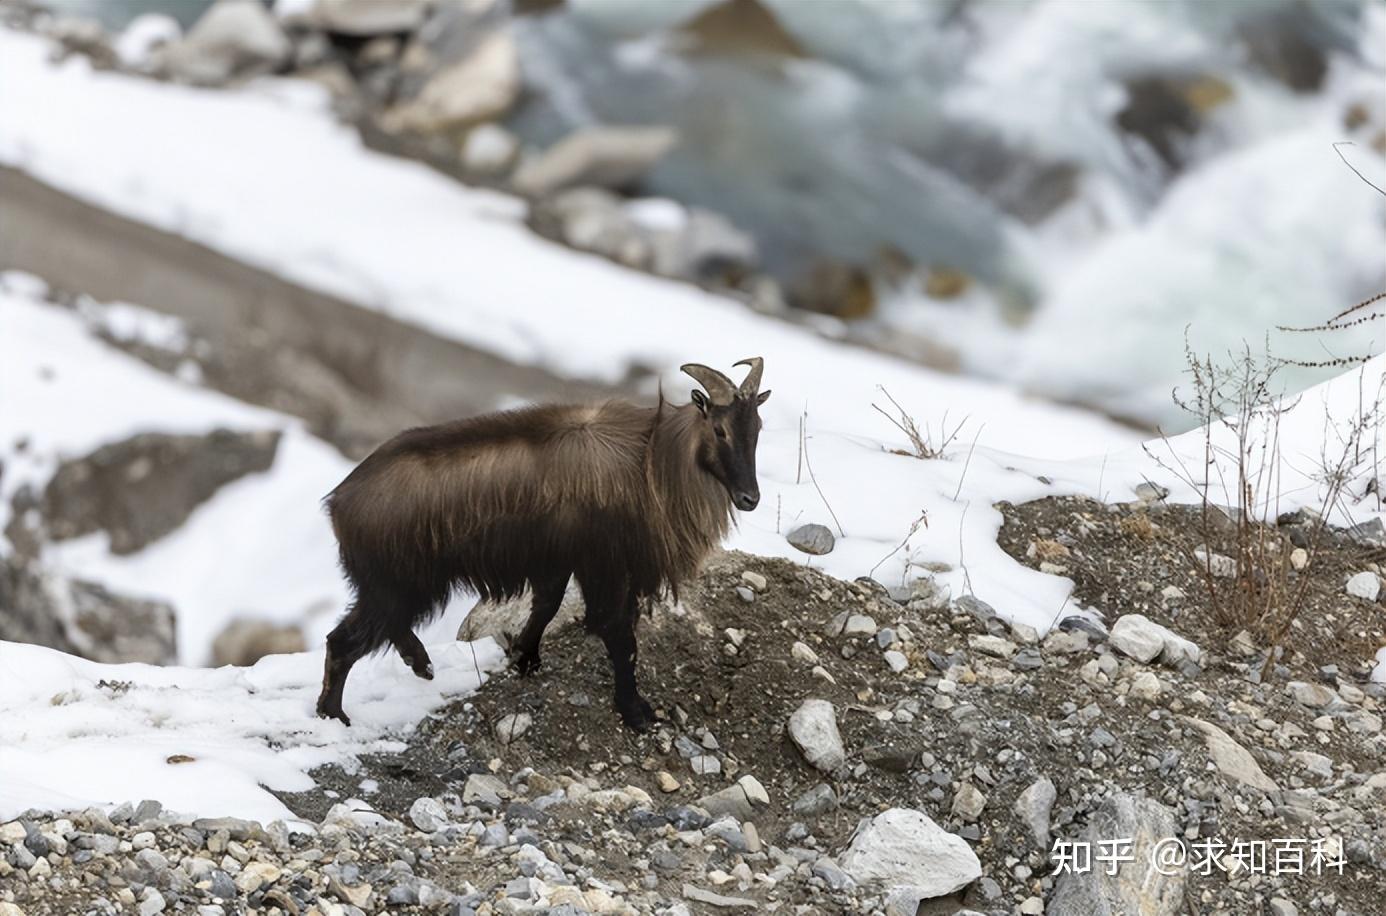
column 896, row 660
column 992, row 645
column 1145, row 640
column 1365, row 585
column 1033, row 807
column 801, row 652
column 428, row 814
column 905, row 850
column 1137, row 636
column 480, row 87
column 813, row 728
column 859, row 625
column 1222, row 567
column 233, row 38
column 1231, row 759
column 513, row 726
column 1146, row 686
column 143, row 36
column 607, row 157
column 968, row 802
column 1315, row 696
column 490, row 149
column 1299, row 558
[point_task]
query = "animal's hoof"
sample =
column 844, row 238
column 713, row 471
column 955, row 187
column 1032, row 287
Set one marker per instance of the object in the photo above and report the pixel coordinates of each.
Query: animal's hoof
column 327, row 712
column 527, row 664
column 637, row 714
column 333, row 714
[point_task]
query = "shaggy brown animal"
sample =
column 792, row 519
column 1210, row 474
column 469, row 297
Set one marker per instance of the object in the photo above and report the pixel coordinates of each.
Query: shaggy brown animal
column 628, row 499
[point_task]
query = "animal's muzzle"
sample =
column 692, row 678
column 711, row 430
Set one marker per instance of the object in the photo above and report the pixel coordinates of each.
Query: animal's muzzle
column 746, row 501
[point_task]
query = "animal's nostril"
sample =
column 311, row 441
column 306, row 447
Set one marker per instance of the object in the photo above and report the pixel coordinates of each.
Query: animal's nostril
column 747, row 502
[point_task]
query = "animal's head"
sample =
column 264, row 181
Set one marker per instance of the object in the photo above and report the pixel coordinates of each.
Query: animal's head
column 731, row 427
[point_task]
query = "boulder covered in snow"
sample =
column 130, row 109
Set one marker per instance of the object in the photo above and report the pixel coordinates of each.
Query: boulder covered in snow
column 906, row 851
column 146, row 35
column 609, row 157
column 233, row 38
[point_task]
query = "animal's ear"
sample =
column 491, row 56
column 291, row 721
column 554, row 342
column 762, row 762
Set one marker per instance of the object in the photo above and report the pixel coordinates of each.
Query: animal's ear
column 700, row 400
column 764, row 396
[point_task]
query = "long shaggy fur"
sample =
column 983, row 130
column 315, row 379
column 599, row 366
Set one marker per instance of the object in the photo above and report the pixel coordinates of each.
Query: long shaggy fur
column 613, row 494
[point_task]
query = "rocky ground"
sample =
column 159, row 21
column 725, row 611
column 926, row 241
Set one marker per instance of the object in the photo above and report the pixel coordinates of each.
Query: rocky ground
column 824, row 746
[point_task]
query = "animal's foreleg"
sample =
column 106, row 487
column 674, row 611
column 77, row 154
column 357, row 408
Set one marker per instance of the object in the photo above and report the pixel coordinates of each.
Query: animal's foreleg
column 619, row 636
column 548, row 596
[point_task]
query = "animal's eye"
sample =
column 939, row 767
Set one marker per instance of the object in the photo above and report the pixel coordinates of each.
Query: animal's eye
column 721, row 433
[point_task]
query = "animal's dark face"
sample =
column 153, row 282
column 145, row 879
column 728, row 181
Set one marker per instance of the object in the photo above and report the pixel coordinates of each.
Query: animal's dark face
column 732, row 428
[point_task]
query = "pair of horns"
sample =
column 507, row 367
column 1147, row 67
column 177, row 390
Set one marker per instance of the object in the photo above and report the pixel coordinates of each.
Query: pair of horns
column 722, row 390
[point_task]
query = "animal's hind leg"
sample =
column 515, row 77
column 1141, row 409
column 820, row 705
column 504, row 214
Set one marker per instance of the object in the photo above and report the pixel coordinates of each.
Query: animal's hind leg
column 548, row 597
column 413, row 652
column 351, row 639
column 618, row 633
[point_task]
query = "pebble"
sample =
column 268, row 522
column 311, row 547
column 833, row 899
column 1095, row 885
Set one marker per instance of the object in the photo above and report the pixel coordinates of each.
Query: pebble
column 755, row 580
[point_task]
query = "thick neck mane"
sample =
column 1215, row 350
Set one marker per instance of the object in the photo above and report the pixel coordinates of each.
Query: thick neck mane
column 694, row 510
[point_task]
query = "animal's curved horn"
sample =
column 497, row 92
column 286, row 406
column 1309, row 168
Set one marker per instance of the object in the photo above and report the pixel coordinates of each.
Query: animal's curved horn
column 751, row 384
column 720, row 389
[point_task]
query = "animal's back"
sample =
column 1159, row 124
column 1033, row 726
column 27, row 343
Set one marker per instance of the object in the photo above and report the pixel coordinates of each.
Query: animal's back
column 439, row 502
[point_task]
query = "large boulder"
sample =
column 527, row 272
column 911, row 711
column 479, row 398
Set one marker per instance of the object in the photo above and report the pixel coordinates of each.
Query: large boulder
column 916, row 859
column 481, row 86
column 144, row 487
column 113, row 628
column 82, row 618
column 608, row 157
column 503, row 620
column 1138, row 886
column 234, row 38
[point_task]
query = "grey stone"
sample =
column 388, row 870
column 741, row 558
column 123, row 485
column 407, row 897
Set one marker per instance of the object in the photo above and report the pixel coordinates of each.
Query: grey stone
column 978, row 608
column 428, row 814
column 244, row 642
column 813, row 728
column 720, row 901
column 234, row 38
column 812, row 539
column 1138, row 886
column 140, row 489
column 907, row 852
column 1231, row 759
column 816, row 802
column 1033, row 807
column 482, row 86
column 600, row 156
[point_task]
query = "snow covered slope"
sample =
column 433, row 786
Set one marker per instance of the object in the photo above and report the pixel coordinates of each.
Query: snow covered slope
column 268, row 176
